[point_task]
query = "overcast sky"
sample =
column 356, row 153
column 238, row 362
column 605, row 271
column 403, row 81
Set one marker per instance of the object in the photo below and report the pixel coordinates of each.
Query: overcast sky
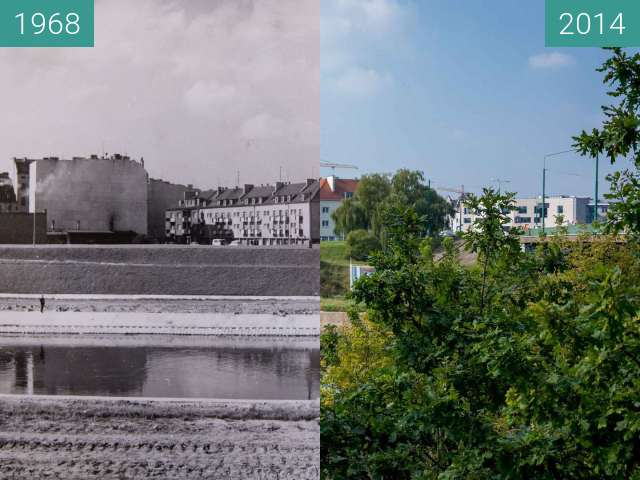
column 199, row 88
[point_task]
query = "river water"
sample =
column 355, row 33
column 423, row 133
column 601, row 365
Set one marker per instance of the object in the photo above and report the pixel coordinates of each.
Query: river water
column 184, row 368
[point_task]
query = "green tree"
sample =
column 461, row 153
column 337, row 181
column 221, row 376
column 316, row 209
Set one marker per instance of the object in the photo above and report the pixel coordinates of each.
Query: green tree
column 372, row 190
column 377, row 192
column 488, row 236
column 360, row 244
column 536, row 377
column 618, row 137
column 349, row 216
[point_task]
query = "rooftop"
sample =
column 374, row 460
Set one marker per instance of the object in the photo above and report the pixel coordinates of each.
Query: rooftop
column 341, row 186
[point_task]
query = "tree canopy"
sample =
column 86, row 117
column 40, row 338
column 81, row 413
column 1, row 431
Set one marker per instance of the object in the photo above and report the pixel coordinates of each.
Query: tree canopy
column 619, row 137
column 378, row 192
column 525, row 365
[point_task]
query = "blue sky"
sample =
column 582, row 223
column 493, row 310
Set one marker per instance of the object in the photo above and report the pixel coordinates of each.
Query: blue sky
column 462, row 90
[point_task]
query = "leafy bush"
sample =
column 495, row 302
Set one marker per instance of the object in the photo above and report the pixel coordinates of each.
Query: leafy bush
column 526, row 365
column 360, row 244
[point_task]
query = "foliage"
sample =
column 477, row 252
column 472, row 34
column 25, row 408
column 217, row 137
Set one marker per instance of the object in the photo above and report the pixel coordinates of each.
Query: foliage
column 349, row 216
column 377, row 192
column 524, row 366
column 360, row 244
column 334, row 269
column 619, row 137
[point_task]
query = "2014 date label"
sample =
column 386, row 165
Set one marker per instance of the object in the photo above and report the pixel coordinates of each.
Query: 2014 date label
column 592, row 23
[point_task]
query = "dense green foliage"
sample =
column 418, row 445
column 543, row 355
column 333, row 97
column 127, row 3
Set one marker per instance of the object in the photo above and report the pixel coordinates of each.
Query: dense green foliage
column 525, row 366
column 360, row 244
column 334, row 269
column 377, row 192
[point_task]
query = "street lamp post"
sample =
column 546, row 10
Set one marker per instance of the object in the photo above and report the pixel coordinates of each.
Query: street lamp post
column 544, row 182
column 595, row 209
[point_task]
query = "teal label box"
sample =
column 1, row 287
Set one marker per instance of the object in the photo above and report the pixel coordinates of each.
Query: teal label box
column 592, row 23
column 46, row 23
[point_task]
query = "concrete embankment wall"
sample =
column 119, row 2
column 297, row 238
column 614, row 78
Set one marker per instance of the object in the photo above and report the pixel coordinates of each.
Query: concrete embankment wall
column 159, row 270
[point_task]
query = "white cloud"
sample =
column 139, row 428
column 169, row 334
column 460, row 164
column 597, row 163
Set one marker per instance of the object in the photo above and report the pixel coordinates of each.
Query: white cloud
column 372, row 14
column 551, row 60
column 184, row 83
column 209, row 98
column 350, row 29
column 262, row 126
column 362, row 82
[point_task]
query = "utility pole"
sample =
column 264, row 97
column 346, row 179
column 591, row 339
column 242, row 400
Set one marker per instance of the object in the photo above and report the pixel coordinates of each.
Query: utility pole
column 595, row 210
column 461, row 204
column 544, row 185
column 500, row 181
column 544, row 179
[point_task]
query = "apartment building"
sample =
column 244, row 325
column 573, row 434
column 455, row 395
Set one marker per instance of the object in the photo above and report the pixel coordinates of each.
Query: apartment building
column 280, row 214
column 529, row 212
column 7, row 195
column 333, row 191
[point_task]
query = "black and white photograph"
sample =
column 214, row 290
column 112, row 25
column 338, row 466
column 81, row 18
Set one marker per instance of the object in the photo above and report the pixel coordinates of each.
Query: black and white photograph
column 159, row 246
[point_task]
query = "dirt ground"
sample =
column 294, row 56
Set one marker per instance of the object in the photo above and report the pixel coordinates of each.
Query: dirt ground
column 91, row 439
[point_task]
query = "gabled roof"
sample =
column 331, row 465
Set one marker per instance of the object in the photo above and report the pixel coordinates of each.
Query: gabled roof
column 263, row 191
column 309, row 192
column 230, row 194
column 342, row 186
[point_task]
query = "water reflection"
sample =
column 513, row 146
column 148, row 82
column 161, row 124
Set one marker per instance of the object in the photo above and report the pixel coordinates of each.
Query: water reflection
column 220, row 372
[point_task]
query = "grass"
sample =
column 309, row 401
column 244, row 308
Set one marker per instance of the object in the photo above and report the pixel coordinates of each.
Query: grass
column 338, row 304
column 334, row 273
column 334, row 269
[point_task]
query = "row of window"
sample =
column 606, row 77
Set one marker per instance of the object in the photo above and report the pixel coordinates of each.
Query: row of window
column 525, row 209
column 258, row 214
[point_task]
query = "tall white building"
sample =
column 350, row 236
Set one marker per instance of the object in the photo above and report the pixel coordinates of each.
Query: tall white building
column 333, row 191
column 528, row 213
column 280, row 214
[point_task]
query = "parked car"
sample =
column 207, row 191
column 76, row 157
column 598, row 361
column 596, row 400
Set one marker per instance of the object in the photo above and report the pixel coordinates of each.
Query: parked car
column 217, row 242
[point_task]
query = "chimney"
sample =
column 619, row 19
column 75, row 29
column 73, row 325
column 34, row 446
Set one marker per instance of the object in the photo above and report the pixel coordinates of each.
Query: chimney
column 331, row 180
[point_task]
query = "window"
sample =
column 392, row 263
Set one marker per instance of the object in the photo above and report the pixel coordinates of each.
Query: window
column 348, row 194
column 523, row 220
column 522, row 209
column 467, row 219
column 325, row 223
column 560, row 209
column 324, row 210
column 538, row 210
column 466, row 211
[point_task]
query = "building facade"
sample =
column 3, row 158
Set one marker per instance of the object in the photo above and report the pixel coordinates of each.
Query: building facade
column 20, row 177
column 529, row 212
column 85, row 194
column 8, row 202
column 163, row 196
column 280, row 214
column 333, row 191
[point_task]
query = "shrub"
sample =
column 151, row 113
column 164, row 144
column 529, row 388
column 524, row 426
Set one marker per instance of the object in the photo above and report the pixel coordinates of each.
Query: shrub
column 360, row 244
